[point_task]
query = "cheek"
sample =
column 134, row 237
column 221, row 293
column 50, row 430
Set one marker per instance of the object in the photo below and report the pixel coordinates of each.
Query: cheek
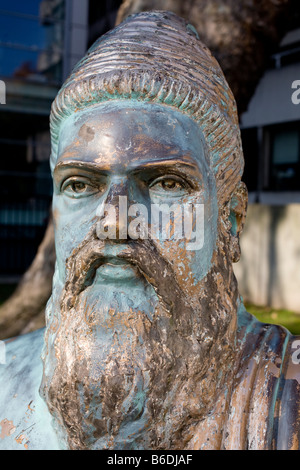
column 191, row 256
column 202, row 261
column 181, row 260
column 72, row 222
column 74, row 217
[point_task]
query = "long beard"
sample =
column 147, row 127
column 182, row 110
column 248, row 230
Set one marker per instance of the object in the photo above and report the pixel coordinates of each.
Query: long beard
column 137, row 369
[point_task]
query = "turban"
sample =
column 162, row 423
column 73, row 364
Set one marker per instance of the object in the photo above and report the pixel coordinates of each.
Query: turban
column 157, row 57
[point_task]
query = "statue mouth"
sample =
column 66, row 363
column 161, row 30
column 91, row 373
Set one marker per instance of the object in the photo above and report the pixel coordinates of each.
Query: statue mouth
column 95, row 262
column 115, row 261
column 114, row 270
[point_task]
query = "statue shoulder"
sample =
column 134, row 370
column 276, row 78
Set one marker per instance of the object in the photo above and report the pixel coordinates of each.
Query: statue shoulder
column 24, row 418
column 289, row 410
column 22, row 366
column 270, row 362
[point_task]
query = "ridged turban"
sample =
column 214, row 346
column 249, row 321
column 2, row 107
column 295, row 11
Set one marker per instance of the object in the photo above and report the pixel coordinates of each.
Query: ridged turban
column 157, row 57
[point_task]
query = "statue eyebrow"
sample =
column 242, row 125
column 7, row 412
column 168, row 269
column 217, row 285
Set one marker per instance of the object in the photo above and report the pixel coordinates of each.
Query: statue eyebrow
column 136, row 167
column 82, row 166
column 177, row 162
column 188, row 169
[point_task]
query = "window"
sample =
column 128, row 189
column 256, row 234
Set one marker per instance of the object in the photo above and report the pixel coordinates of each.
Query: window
column 285, row 158
column 31, row 39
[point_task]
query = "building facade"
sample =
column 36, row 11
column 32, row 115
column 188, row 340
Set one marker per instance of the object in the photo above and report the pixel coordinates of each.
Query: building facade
column 269, row 270
column 40, row 42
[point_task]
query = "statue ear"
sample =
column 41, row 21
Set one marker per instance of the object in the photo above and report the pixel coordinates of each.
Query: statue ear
column 238, row 210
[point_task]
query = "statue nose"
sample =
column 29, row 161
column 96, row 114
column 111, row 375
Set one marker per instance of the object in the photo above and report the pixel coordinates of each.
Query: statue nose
column 112, row 214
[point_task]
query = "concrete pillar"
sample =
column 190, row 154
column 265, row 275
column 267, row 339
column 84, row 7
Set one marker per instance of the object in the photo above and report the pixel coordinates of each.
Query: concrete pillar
column 76, row 33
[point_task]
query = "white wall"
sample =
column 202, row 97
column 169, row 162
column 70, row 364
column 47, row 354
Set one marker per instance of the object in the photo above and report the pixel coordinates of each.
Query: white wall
column 269, row 270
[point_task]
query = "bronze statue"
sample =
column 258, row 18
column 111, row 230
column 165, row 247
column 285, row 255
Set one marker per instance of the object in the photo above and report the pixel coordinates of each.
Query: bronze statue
column 147, row 343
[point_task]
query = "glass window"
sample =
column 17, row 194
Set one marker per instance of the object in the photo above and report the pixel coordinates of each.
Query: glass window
column 286, row 147
column 31, row 39
column 285, row 158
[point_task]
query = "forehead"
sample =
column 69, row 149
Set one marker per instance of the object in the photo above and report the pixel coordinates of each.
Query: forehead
column 129, row 132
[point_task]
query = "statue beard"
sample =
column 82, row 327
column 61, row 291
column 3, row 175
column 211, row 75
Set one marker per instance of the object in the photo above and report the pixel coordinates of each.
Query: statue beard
column 137, row 369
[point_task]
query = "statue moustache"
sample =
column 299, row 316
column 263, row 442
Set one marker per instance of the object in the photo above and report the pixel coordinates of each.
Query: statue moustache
column 121, row 377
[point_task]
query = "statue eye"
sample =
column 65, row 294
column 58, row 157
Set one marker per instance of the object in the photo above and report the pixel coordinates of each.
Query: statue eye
column 169, row 185
column 78, row 187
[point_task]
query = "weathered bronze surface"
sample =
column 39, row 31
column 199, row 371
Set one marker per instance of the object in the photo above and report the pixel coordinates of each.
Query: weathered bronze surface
column 147, row 342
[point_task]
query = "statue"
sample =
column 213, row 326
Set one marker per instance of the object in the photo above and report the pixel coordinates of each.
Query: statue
column 147, row 342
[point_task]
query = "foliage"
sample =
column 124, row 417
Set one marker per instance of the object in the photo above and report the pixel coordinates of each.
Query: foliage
column 290, row 320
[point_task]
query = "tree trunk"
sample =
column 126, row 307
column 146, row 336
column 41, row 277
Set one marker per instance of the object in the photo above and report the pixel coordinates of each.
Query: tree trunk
column 24, row 311
column 241, row 35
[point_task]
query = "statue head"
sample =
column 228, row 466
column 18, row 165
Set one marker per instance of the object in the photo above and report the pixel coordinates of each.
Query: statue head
column 148, row 207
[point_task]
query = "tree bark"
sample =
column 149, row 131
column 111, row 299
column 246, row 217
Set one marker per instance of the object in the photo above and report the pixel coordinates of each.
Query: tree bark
column 24, row 311
column 241, row 35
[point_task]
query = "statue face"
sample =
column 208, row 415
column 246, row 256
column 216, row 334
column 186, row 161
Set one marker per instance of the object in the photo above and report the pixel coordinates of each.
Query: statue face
column 141, row 325
column 153, row 320
column 146, row 154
